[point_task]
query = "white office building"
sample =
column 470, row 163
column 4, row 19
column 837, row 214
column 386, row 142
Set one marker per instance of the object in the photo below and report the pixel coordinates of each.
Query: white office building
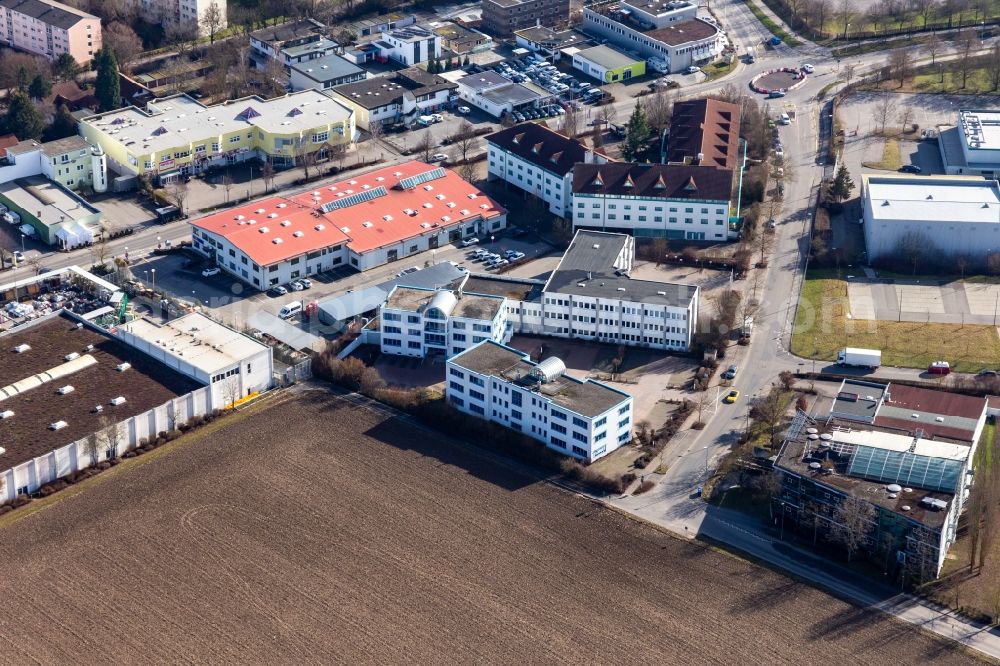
column 944, row 216
column 674, row 201
column 233, row 364
column 421, row 322
column 409, row 46
column 579, row 418
column 973, row 146
column 668, row 34
column 497, row 95
column 537, row 160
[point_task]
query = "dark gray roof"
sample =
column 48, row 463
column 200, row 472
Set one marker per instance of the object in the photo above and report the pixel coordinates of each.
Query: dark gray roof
column 54, row 14
column 482, row 80
column 584, row 397
column 858, row 400
column 383, row 90
column 536, row 143
column 588, row 269
column 288, row 31
column 513, row 93
column 327, row 68
column 666, row 181
column 360, row 301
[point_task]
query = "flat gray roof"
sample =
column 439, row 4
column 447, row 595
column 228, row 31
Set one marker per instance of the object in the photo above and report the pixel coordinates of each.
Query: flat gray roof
column 607, row 57
column 588, row 269
column 858, row 399
column 327, row 68
column 584, row 397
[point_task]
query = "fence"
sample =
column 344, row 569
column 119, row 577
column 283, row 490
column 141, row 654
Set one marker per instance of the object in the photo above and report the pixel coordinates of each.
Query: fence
column 31, row 475
column 299, row 372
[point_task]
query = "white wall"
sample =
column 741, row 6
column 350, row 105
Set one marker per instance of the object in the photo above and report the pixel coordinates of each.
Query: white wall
column 946, row 238
column 26, row 164
column 678, row 57
column 694, row 218
column 31, row 475
column 553, row 189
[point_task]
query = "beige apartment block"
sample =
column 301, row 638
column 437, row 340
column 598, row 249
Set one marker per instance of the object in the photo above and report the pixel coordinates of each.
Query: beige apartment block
column 49, row 29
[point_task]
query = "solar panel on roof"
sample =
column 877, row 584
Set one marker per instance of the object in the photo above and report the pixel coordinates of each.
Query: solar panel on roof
column 908, row 469
column 421, row 178
column 360, row 197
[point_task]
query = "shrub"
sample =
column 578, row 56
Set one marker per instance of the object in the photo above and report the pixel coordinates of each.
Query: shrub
column 801, row 404
column 628, row 478
column 20, row 501
column 642, row 461
column 645, row 486
column 591, row 478
column 6, row 508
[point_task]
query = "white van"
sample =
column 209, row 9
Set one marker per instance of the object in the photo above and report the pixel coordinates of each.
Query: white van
column 290, row 310
column 784, row 119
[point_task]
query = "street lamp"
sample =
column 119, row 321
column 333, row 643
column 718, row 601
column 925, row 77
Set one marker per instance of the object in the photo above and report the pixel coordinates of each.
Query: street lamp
column 154, row 278
column 22, row 242
column 158, row 238
column 847, row 31
column 126, row 253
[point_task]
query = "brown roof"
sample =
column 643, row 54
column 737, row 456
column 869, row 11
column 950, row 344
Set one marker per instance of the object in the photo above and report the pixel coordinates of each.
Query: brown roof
column 8, row 141
column 667, row 181
column 707, row 127
column 683, row 32
column 541, row 146
column 959, row 414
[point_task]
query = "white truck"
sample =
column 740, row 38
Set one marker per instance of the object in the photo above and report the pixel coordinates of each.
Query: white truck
column 861, row 358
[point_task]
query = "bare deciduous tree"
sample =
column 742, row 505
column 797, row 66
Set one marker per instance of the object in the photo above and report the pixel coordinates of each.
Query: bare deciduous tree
column 425, row 146
column 467, row 171
column 99, row 251
column 465, row 139
column 993, row 68
column 912, row 247
column 658, row 107
column 964, row 63
column 884, row 109
column 124, row 41
column 267, row 175
column 900, row 66
column 231, row 391
column 571, row 123
column 852, row 524
column 212, row 20
column 933, row 47
column 376, row 131
column 110, row 434
column 92, row 448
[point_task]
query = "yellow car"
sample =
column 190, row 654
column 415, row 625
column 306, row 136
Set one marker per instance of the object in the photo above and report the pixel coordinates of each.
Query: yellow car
column 733, row 396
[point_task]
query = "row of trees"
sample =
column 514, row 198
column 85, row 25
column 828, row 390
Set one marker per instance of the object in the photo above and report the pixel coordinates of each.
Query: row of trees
column 847, row 18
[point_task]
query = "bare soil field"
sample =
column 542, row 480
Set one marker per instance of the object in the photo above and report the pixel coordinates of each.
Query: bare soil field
column 320, row 531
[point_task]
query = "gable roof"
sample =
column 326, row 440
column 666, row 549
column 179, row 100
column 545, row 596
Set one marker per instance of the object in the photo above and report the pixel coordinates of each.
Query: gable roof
column 660, row 181
column 707, row 127
column 541, row 146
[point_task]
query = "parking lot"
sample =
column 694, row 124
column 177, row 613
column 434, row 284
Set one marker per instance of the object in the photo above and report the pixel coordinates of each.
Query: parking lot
column 950, row 302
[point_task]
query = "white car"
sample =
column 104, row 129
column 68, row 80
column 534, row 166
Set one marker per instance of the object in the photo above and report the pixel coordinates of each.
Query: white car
column 306, row 282
column 407, row 271
column 18, row 256
column 438, row 157
column 437, row 117
column 297, row 286
column 464, row 109
column 693, row 69
column 808, row 69
column 469, row 242
column 209, row 272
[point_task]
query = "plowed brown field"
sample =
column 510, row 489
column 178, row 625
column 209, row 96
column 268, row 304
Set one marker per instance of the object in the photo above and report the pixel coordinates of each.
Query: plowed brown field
column 317, row 531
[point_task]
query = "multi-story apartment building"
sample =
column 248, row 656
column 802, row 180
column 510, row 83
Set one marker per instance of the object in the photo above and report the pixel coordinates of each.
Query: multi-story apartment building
column 410, row 46
column 71, row 162
column 654, row 200
column 49, row 29
column 503, row 17
column 907, row 453
column 461, row 40
column 401, row 96
column 365, row 221
column 177, row 136
column 539, row 161
column 584, row 419
column 705, row 132
column 290, row 43
column 183, row 15
column 668, row 33
column 424, row 322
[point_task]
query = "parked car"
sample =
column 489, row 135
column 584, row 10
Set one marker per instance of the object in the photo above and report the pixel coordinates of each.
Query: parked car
column 438, row 157
column 19, row 258
column 469, row 242
column 296, row 285
column 209, row 272
column 407, row 271
column 693, row 69
column 730, row 373
column 985, row 372
column 911, row 168
column 939, row 368
column 517, row 256
column 306, row 282
column 277, row 290
column 464, row 109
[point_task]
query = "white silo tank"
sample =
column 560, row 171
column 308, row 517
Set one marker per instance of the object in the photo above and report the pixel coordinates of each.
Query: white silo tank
column 99, row 165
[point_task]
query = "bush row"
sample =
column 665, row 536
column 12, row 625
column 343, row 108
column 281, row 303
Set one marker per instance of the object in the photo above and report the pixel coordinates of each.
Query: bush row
column 431, row 409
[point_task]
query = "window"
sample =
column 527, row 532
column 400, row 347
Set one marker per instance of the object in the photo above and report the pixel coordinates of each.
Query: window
column 558, row 428
column 556, row 414
column 458, row 337
column 580, row 452
column 579, row 436
column 477, row 409
column 515, row 398
column 579, row 423
column 477, row 395
column 476, row 380
column 320, row 137
column 598, row 423
column 393, row 329
column 460, row 325
column 389, row 316
column 599, row 436
column 623, row 423
column 558, row 442
column 392, row 342
column 514, row 414
column 456, row 373
column 623, row 410
column 412, row 319
column 413, row 344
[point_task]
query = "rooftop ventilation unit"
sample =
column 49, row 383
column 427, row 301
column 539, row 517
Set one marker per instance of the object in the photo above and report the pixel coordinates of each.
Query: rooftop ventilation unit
column 79, row 326
column 621, row 288
column 6, row 414
column 58, row 425
column 21, row 348
column 286, row 223
column 89, row 348
column 298, row 234
column 71, row 356
column 120, row 400
column 320, row 227
column 122, row 367
column 98, row 409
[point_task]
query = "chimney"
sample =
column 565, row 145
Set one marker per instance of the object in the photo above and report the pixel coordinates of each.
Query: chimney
column 700, row 158
column 588, row 157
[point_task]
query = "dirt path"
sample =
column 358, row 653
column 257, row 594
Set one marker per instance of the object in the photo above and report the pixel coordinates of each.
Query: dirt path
column 321, row 532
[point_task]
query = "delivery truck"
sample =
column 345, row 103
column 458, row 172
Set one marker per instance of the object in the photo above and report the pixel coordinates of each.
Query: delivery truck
column 860, row 358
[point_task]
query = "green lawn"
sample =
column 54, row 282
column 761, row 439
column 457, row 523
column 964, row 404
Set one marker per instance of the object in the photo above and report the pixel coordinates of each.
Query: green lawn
column 890, row 157
column 822, row 328
column 718, row 69
column 978, row 82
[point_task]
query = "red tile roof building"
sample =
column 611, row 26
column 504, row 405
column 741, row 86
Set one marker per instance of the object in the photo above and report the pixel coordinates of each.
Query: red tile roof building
column 363, row 222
